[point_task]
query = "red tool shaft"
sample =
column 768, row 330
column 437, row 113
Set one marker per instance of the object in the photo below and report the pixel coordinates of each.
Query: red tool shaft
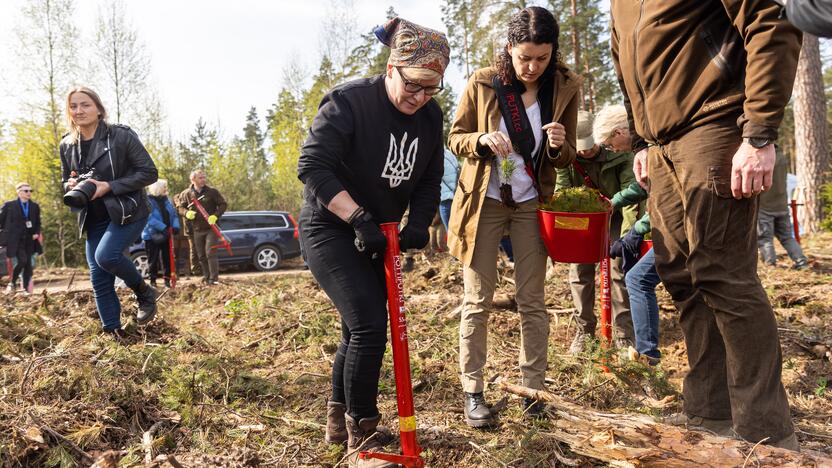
column 606, row 301
column 223, row 241
column 172, row 257
column 794, row 221
column 401, row 355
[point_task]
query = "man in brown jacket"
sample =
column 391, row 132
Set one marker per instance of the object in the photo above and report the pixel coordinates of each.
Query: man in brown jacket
column 705, row 84
column 203, row 236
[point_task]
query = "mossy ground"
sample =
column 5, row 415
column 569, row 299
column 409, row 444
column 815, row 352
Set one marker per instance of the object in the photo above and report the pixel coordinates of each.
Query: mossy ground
column 239, row 373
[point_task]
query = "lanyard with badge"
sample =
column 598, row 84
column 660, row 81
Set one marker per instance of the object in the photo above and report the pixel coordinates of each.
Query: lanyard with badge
column 25, row 208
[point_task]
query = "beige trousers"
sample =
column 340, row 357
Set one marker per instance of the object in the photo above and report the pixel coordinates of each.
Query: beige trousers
column 480, row 280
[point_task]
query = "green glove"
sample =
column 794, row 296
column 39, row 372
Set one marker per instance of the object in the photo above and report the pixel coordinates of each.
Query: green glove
column 190, row 215
column 212, row 220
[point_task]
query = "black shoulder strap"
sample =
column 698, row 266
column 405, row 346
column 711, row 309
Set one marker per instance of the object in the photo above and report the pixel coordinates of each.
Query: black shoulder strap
column 519, row 128
column 587, row 180
column 163, row 210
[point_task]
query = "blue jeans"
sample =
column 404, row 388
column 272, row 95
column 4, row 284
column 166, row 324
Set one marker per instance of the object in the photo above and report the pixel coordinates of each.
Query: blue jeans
column 641, row 281
column 106, row 242
column 445, row 212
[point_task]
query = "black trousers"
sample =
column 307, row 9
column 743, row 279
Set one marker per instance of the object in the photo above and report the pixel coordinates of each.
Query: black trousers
column 154, row 253
column 24, row 265
column 356, row 286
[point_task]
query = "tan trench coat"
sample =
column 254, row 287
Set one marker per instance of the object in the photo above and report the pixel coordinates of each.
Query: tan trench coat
column 479, row 113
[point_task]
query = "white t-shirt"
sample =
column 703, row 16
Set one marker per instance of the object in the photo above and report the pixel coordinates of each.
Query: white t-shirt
column 522, row 186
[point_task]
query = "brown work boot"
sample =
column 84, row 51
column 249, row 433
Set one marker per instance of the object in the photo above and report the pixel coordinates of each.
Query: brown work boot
column 336, row 427
column 364, row 436
column 720, row 427
column 789, row 442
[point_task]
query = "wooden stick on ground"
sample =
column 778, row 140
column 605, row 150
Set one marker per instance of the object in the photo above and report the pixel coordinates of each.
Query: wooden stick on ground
column 86, row 459
column 630, row 440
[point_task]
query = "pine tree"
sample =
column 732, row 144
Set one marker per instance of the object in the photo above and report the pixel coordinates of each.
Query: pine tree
column 462, row 19
column 811, row 134
column 48, row 53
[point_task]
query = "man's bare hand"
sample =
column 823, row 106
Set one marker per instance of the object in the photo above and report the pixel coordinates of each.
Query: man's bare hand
column 640, row 169
column 751, row 170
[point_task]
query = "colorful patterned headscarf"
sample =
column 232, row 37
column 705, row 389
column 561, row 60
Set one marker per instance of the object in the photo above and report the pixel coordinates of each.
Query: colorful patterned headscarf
column 414, row 46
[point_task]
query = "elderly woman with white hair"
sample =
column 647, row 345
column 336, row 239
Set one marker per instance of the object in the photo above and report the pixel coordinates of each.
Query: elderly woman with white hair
column 612, row 130
column 161, row 224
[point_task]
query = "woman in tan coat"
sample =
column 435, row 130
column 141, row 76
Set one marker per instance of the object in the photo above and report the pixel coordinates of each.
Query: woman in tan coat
column 506, row 172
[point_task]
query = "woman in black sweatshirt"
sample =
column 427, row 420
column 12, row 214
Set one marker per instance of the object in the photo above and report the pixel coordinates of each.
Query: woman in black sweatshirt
column 375, row 148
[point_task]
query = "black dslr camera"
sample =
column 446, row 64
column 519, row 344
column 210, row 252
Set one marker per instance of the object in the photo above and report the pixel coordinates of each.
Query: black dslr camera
column 80, row 195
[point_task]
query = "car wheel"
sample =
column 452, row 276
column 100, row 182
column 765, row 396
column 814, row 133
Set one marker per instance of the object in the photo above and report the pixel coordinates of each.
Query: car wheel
column 266, row 258
column 140, row 260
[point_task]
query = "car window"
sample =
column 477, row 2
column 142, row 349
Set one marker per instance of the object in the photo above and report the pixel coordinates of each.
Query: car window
column 228, row 223
column 270, row 221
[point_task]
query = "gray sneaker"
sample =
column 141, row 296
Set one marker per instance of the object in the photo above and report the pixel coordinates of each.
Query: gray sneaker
column 579, row 343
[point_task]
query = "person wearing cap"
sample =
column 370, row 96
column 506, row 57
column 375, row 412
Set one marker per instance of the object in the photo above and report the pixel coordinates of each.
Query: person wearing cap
column 610, row 172
column 375, row 147
column 514, row 125
column 20, row 233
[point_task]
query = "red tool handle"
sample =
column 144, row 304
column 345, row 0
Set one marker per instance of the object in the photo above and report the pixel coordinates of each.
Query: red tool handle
column 606, row 301
column 401, row 356
column 606, row 298
column 224, row 243
column 172, row 256
column 794, row 221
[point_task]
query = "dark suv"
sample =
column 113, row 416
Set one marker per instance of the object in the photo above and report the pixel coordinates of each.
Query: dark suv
column 259, row 238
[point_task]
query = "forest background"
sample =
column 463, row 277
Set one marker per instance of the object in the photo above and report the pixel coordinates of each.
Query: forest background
column 255, row 166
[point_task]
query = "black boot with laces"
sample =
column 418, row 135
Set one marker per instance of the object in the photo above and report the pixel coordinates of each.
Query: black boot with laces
column 477, row 413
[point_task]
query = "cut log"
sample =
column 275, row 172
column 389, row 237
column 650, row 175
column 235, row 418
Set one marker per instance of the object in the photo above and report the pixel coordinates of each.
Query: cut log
column 630, row 440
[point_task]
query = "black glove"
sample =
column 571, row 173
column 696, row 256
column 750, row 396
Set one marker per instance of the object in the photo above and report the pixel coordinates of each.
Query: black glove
column 413, row 238
column 175, row 231
column 368, row 237
column 628, row 248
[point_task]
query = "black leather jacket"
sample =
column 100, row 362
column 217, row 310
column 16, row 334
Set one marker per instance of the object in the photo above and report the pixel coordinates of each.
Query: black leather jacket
column 118, row 157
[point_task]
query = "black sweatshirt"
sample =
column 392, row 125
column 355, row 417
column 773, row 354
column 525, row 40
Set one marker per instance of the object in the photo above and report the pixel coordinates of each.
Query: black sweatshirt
column 385, row 160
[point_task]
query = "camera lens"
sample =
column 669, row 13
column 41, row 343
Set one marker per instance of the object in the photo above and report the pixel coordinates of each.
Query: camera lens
column 80, row 195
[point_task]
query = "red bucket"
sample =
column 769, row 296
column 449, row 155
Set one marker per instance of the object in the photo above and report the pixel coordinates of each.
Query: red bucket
column 575, row 237
column 645, row 247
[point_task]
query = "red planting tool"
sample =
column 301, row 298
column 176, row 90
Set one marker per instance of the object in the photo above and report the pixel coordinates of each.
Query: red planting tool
column 172, row 256
column 224, row 243
column 794, row 206
column 401, row 356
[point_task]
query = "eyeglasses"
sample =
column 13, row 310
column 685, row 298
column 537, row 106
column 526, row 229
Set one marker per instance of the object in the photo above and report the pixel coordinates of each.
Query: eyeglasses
column 413, row 87
column 25, row 190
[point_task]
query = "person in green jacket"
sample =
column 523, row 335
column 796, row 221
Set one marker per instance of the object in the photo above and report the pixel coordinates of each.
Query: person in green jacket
column 610, row 172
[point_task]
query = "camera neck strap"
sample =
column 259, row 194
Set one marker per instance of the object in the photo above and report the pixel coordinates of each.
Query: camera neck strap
column 510, row 100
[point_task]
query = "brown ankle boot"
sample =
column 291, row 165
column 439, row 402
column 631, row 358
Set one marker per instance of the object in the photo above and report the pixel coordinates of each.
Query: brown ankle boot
column 336, row 427
column 363, row 436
